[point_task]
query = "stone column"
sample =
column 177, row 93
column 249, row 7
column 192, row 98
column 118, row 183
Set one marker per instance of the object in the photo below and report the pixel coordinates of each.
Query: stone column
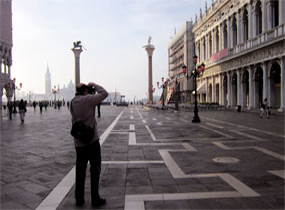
column 264, row 16
column 238, row 28
column 229, row 89
column 250, row 87
column 282, row 83
column 238, row 88
column 207, row 92
column 265, row 81
column 270, row 15
column 229, row 34
column 254, row 23
column 77, row 51
column 221, row 96
column 213, row 89
column 281, row 11
column 149, row 49
column 221, row 37
column 250, row 24
column 242, row 28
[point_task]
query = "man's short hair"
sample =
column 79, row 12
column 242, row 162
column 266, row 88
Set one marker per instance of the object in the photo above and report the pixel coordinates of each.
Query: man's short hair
column 80, row 88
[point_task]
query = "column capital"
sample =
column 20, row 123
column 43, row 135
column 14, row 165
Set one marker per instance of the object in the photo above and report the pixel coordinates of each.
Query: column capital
column 77, row 51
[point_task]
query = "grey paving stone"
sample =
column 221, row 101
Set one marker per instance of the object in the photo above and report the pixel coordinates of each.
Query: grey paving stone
column 139, row 189
column 178, row 204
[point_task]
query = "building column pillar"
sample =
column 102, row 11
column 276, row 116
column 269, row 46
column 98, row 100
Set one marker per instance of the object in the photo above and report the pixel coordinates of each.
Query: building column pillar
column 281, row 11
column 149, row 49
column 254, row 23
column 238, row 27
column 207, row 92
column 220, row 89
column 250, row 24
column 242, row 31
column 265, row 81
column 264, row 16
column 229, row 89
column 283, row 83
column 77, row 50
column 250, row 79
column 213, row 89
column 220, row 37
column 270, row 15
column 229, row 34
column 238, row 88
column 207, row 47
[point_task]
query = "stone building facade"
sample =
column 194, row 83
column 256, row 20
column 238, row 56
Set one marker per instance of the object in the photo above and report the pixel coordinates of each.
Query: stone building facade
column 180, row 53
column 5, row 50
column 242, row 44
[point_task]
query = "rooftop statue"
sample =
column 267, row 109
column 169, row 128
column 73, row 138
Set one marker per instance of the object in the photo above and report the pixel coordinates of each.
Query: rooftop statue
column 77, row 44
column 149, row 40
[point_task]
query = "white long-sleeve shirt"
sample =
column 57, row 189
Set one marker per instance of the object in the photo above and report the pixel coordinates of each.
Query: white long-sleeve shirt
column 83, row 109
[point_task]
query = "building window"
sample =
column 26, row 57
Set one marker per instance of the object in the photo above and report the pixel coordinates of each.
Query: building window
column 234, row 28
column 210, row 44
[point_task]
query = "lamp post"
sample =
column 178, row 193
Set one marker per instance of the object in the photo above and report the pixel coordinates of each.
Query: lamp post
column 196, row 74
column 15, row 87
column 55, row 91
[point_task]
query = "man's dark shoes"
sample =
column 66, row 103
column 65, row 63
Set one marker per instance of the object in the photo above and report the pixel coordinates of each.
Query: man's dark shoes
column 98, row 202
column 79, row 202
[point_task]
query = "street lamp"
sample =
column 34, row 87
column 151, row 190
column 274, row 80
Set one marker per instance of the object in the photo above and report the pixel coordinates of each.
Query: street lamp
column 55, row 91
column 196, row 73
column 15, row 87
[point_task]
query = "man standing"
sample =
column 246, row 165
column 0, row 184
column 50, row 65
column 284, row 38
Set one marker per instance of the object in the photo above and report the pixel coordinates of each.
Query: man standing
column 83, row 109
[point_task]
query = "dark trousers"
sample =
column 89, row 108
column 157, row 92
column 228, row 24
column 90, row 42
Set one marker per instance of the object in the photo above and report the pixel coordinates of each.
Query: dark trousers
column 91, row 153
column 99, row 110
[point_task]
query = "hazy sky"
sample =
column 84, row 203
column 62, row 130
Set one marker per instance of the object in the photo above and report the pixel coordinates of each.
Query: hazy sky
column 112, row 31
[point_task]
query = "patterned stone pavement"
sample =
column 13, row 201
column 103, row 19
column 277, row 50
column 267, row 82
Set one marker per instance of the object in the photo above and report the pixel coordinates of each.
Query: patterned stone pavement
column 151, row 160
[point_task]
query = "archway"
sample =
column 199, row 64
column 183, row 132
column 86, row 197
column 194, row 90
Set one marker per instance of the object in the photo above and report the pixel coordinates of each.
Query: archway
column 234, row 90
column 275, row 86
column 217, row 93
column 210, row 93
column 258, row 87
column 245, row 89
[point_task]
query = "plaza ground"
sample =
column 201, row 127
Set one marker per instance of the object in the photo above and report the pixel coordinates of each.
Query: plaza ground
column 151, row 159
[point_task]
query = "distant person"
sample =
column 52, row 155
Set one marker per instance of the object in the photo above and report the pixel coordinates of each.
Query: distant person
column 41, row 107
column 22, row 110
column 82, row 109
column 34, row 105
column 264, row 109
column 99, row 110
column 67, row 103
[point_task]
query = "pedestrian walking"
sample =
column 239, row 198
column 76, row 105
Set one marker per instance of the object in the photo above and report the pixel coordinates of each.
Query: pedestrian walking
column 41, row 107
column 264, row 108
column 82, row 110
column 22, row 110
column 99, row 110
column 34, row 105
